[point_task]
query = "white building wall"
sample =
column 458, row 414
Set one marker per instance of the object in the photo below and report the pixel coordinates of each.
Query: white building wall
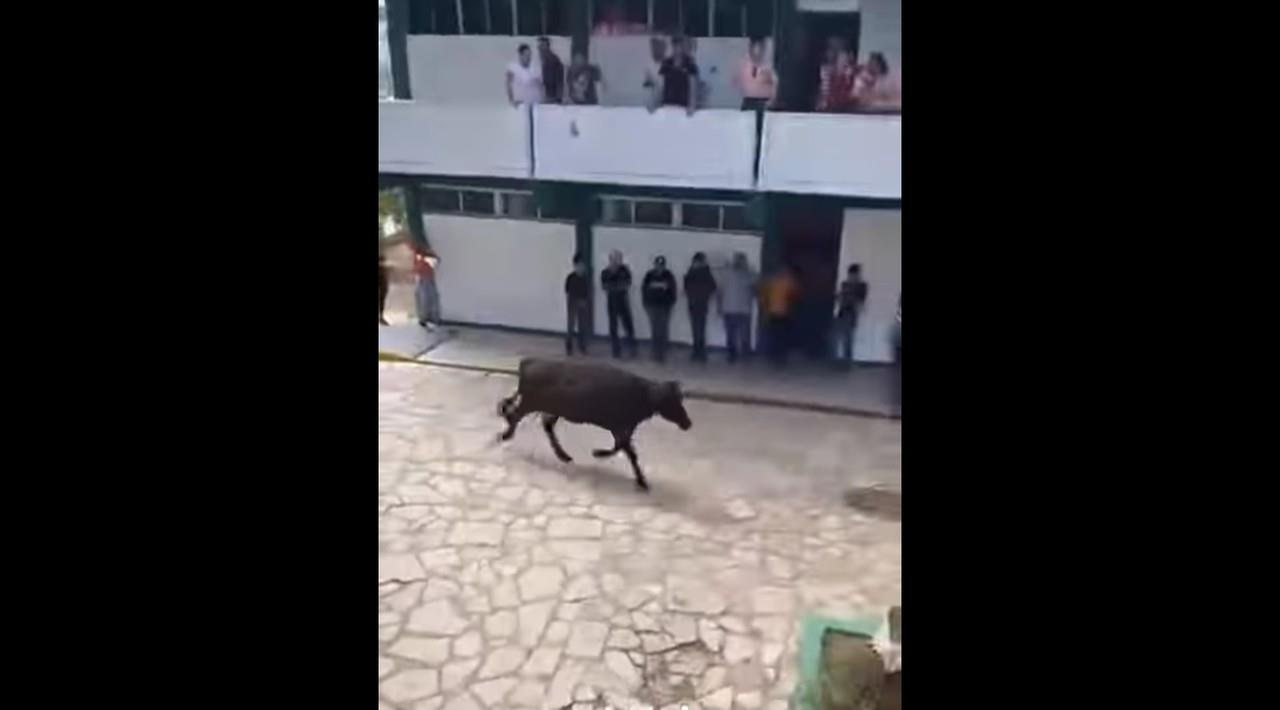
column 831, row 154
column 501, row 272
column 433, row 139
column 873, row 238
column 468, row 69
column 881, row 31
column 639, row 246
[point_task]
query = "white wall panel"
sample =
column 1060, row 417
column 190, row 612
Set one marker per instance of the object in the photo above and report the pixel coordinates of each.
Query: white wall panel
column 668, row 148
column 858, row 156
column 502, row 272
column 427, row 139
column 873, row 238
column 639, row 246
column 881, row 31
column 468, row 69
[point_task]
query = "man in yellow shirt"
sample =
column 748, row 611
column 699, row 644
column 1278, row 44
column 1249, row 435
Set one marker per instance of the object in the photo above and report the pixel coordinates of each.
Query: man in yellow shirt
column 777, row 295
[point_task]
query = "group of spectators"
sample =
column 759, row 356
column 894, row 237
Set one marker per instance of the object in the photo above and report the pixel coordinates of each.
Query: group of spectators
column 847, row 87
column 735, row 293
column 547, row 80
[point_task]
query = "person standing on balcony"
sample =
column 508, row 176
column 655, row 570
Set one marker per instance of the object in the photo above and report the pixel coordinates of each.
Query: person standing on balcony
column 524, row 79
column 836, row 81
column 678, row 77
column 658, row 293
column 849, row 302
column 426, row 297
column 552, row 72
column 756, row 79
column 577, row 292
column 616, row 282
column 582, row 81
column 736, row 296
column 699, row 286
column 875, row 89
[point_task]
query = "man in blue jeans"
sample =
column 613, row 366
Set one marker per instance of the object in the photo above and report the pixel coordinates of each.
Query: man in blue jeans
column 849, row 302
column 736, row 295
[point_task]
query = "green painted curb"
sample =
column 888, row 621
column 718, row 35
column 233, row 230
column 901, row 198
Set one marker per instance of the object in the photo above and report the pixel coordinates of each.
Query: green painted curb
column 812, row 629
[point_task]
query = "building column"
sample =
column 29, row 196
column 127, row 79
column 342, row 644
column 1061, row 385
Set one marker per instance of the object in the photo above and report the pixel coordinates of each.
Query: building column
column 398, row 41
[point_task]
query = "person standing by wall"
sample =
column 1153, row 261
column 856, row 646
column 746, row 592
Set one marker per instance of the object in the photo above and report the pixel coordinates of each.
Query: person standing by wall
column 777, row 297
column 383, row 287
column 849, row 302
column 658, row 293
column 756, row 79
column 836, row 82
column 552, row 72
column 524, row 79
column 735, row 297
column 577, row 294
column 678, row 78
column 615, row 279
column 584, row 81
column 699, row 286
column 426, row 297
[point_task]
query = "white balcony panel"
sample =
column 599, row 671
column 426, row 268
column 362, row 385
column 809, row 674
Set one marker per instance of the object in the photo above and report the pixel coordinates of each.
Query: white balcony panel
column 453, row 140
column 630, row 146
column 857, row 156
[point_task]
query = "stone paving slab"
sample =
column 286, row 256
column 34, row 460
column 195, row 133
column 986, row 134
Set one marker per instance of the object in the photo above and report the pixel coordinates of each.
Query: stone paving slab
column 510, row 580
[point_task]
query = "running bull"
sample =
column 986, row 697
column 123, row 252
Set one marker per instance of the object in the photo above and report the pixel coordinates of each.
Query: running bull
column 585, row 393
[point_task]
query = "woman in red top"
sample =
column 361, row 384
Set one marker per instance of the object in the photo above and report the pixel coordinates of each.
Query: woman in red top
column 427, row 298
column 836, row 80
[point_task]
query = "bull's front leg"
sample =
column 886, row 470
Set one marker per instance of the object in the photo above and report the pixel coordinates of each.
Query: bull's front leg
column 635, row 464
column 512, row 409
column 549, row 424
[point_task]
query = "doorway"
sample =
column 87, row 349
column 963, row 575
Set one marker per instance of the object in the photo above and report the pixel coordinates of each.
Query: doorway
column 809, row 242
column 806, row 50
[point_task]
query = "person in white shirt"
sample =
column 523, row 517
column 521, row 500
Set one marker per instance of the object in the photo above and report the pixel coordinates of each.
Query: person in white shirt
column 524, row 79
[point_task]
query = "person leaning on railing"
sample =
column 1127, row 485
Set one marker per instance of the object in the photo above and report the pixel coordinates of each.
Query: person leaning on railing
column 874, row 88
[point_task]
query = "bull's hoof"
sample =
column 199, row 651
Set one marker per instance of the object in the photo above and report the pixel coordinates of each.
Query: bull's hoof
column 643, row 485
column 603, row 453
column 505, row 436
column 564, row 457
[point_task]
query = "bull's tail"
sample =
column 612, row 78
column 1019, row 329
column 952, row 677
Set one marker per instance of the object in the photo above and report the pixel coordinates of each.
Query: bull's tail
column 506, row 404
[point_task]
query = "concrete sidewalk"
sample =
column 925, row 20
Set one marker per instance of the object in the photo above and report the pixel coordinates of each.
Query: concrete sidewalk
column 866, row 390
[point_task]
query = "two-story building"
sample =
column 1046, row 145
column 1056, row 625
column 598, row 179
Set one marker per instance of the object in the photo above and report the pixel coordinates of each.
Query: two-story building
column 506, row 195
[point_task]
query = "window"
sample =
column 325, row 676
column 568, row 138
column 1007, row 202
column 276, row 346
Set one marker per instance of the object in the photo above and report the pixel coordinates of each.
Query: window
column 616, row 211
column 731, row 16
column 529, row 17
column 666, row 16
column 700, row 216
column 650, row 212
column 501, row 21
column 438, row 199
column 519, row 205
column 476, row 202
column 697, row 18
column 384, row 54
column 735, row 219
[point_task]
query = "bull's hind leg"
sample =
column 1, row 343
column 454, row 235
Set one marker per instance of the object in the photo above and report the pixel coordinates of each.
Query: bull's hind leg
column 635, row 464
column 512, row 409
column 618, row 438
column 549, row 424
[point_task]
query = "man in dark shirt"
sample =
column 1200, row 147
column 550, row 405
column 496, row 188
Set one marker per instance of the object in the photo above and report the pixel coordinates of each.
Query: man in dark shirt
column 577, row 295
column 582, row 79
column 658, row 293
column 616, row 282
column 699, row 286
column 552, row 72
column 679, row 77
column 849, row 303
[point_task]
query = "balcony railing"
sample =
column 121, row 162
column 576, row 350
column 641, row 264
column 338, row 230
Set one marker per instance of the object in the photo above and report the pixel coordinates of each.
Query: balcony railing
column 833, row 154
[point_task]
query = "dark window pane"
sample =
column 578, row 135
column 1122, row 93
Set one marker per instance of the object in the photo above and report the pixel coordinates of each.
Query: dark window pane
column 616, row 211
column 446, row 17
column 666, row 16
column 700, row 216
column 735, row 219
column 559, row 17
column 420, row 17
column 695, row 18
column 529, row 17
column 759, row 19
column 474, row 19
column 500, row 20
column 515, row 204
column 729, row 18
column 637, row 12
column 477, row 202
column 653, row 213
column 436, row 199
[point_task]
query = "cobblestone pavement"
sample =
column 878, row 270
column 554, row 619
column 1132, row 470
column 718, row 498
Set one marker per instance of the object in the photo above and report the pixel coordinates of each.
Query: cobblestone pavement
column 507, row 579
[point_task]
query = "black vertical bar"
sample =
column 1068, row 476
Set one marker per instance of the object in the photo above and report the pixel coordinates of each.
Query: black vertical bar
column 398, row 41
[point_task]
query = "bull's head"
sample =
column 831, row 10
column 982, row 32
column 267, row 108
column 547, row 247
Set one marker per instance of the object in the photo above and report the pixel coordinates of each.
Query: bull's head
column 669, row 403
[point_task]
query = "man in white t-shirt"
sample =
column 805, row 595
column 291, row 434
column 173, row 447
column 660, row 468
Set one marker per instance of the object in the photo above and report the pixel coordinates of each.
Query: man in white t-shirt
column 524, row 79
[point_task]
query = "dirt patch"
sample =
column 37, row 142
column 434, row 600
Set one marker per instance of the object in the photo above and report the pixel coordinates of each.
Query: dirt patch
column 883, row 503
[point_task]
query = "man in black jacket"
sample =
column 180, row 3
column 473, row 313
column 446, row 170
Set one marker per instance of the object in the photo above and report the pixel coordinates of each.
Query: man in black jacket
column 616, row 282
column 699, row 286
column 577, row 294
column 658, row 292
